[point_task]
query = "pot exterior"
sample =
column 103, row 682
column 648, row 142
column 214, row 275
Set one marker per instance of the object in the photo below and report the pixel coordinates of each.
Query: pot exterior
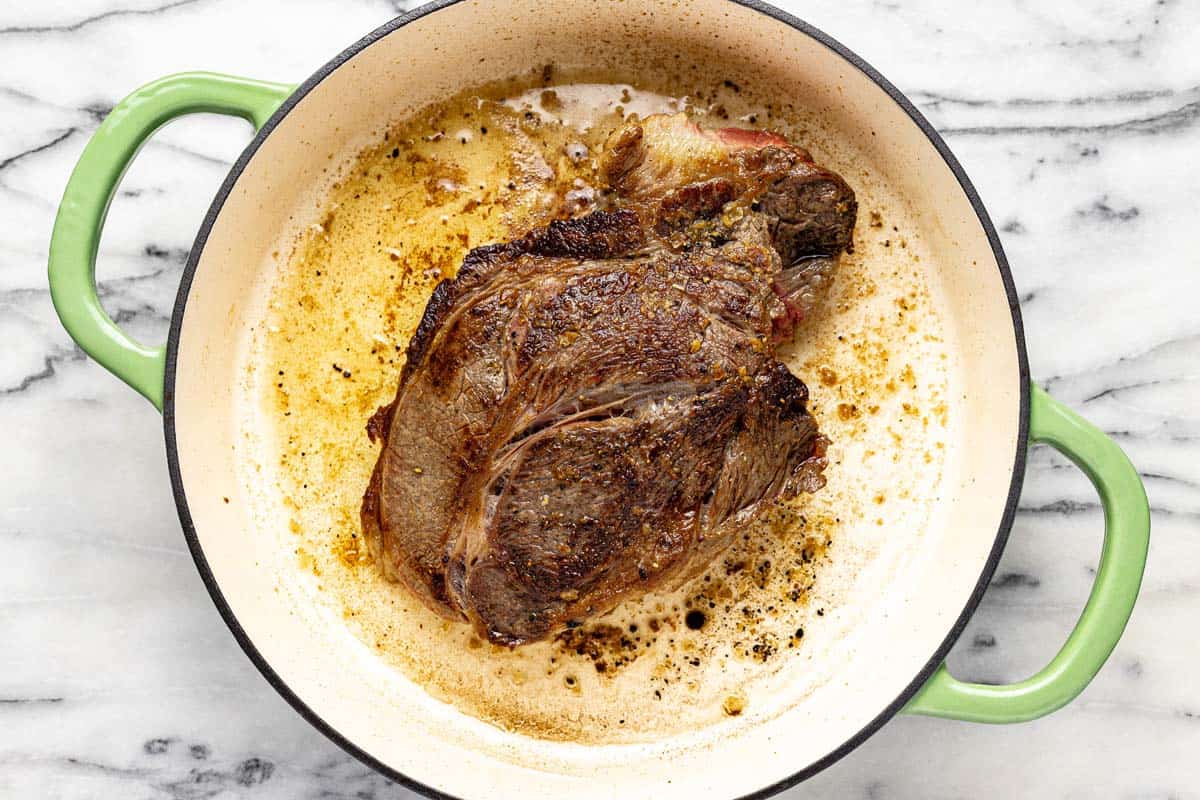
column 220, row 299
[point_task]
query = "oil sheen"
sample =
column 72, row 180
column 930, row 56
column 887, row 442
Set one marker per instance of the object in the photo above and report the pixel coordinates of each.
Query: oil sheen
column 487, row 166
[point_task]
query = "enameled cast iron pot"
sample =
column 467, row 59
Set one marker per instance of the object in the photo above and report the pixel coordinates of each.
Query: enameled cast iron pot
column 431, row 53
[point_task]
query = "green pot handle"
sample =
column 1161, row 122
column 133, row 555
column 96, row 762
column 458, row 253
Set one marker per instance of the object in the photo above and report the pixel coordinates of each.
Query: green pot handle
column 85, row 204
column 1122, row 561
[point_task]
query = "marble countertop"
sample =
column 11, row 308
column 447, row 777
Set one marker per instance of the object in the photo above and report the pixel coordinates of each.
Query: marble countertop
column 1079, row 123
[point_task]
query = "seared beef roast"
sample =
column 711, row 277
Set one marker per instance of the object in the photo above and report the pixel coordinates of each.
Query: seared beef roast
column 595, row 409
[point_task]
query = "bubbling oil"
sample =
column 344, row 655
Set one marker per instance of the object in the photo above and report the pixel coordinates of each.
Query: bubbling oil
column 486, row 166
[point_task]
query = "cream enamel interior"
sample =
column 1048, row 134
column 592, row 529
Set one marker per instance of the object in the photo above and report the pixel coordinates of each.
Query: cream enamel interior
column 435, row 56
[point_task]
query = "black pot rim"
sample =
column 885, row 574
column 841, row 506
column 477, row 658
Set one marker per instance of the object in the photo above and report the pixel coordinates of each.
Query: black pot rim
column 344, row 742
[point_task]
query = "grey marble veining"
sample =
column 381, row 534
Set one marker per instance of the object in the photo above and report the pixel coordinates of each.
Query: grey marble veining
column 1079, row 123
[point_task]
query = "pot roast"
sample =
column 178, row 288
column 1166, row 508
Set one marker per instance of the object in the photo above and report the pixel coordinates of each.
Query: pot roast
column 595, row 410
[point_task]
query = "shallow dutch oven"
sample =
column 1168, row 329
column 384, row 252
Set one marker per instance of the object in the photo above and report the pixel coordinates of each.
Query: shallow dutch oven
column 432, row 53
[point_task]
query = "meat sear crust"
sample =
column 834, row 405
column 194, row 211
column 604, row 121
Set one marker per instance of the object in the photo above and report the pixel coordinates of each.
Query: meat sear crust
column 595, row 410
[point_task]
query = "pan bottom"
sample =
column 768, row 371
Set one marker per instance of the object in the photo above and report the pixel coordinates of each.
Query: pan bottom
column 763, row 628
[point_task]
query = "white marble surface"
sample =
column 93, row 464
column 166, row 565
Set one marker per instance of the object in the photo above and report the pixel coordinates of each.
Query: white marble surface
column 1080, row 125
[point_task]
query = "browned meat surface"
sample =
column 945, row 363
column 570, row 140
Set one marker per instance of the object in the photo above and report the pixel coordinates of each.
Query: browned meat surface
column 595, row 410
